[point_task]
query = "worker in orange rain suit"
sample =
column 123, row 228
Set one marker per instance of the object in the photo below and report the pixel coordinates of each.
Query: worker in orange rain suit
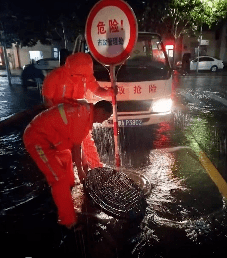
column 50, row 138
column 70, row 82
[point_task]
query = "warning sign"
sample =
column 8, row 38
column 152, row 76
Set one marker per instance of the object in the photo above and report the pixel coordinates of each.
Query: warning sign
column 111, row 31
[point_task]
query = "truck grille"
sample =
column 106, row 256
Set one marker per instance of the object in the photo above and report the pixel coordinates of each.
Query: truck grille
column 134, row 105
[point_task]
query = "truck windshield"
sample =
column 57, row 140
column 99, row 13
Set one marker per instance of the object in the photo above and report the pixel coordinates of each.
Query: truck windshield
column 148, row 62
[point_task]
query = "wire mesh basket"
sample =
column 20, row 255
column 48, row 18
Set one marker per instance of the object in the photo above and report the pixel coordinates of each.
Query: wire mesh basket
column 115, row 193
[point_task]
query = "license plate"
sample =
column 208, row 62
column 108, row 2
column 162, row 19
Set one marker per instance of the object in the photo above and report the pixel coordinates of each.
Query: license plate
column 130, row 122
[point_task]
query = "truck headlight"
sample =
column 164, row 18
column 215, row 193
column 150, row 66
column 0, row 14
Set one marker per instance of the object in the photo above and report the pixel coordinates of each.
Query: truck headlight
column 162, row 105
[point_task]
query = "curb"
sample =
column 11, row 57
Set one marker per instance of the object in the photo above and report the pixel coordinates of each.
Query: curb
column 201, row 74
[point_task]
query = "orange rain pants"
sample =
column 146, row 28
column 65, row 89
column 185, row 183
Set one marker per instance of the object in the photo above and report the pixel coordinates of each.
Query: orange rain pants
column 57, row 166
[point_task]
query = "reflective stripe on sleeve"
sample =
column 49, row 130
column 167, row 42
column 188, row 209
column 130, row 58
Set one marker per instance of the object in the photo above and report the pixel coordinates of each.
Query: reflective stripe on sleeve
column 62, row 113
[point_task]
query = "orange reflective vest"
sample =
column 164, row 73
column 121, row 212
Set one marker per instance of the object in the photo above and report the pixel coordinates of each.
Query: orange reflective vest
column 64, row 125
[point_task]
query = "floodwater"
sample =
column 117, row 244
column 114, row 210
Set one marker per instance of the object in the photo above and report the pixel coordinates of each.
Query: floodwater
column 185, row 210
column 205, row 99
column 185, row 214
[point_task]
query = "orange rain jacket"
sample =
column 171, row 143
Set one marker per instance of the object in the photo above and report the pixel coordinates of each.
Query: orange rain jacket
column 65, row 124
column 71, row 82
column 49, row 139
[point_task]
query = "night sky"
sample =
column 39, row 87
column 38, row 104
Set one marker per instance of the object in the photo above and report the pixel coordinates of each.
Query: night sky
column 54, row 7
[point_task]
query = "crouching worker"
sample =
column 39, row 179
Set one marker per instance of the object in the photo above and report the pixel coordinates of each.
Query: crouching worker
column 50, row 138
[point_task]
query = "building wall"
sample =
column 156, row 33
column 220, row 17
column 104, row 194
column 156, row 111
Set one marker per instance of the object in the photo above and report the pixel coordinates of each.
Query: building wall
column 24, row 52
column 22, row 57
column 190, row 44
column 223, row 45
column 217, row 45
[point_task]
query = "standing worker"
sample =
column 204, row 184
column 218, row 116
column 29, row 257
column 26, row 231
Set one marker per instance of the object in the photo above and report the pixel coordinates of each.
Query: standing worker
column 50, row 138
column 71, row 82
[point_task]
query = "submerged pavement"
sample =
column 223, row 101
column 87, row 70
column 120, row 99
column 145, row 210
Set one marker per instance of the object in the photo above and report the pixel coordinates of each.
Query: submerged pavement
column 185, row 217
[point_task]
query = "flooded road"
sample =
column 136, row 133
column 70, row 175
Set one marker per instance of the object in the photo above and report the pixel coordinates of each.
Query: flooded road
column 185, row 209
column 205, row 99
column 186, row 214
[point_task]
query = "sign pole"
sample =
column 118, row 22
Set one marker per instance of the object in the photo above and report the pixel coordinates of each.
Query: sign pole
column 115, row 118
column 111, row 34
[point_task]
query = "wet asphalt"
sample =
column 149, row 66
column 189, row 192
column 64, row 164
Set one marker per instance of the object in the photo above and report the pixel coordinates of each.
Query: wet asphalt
column 185, row 216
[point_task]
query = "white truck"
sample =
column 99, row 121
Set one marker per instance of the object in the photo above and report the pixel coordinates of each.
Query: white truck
column 144, row 82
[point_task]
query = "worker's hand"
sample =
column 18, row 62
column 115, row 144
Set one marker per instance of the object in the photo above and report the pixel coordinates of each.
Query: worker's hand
column 113, row 91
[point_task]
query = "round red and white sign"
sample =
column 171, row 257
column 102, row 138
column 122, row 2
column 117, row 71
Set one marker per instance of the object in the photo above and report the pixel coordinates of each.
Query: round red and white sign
column 111, row 31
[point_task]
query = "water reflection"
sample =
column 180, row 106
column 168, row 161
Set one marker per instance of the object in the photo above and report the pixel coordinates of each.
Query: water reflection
column 20, row 180
column 183, row 202
column 209, row 131
column 184, row 207
column 14, row 99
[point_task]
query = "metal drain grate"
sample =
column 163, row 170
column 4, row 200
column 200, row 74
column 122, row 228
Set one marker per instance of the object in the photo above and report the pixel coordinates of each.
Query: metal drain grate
column 116, row 193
